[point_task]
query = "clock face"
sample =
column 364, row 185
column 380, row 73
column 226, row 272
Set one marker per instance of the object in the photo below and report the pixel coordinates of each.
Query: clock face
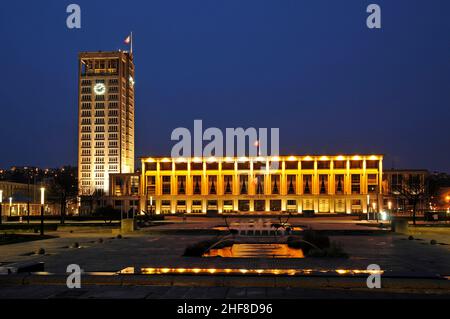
column 99, row 89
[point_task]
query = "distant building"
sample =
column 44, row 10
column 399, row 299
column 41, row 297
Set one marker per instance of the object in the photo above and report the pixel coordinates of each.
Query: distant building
column 394, row 180
column 300, row 184
column 106, row 118
column 19, row 198
column 124, row 192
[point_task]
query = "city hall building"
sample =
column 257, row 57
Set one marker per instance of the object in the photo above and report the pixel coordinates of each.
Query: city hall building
column 341, row 184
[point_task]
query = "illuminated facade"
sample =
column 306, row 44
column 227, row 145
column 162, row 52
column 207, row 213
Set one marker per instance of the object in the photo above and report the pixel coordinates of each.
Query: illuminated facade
column 106, row 118
column 300, row 184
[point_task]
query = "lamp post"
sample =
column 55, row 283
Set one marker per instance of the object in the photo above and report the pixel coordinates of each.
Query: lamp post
column 374, row 206
column 10, row 206
column 390, row 208
column 42, row 209
column 368, row 206
column 1, row 203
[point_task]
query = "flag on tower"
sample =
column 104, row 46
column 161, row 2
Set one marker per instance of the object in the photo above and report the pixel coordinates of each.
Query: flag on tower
column 129, row 41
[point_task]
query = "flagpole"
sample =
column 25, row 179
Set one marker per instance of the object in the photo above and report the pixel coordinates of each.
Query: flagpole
column 131, row 43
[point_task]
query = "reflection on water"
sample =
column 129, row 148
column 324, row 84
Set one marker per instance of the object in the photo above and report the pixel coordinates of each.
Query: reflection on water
column 223, row 228
column 256, row 251
column 248, row 272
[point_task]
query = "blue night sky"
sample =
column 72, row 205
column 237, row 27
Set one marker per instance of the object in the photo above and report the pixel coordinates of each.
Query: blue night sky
column 311, row 68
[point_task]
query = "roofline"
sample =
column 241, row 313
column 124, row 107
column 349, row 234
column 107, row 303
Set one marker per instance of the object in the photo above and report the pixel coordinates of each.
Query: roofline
column 299, row 157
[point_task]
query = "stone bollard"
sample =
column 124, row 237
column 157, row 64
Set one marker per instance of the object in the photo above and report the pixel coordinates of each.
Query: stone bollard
column 127, row 225
column 399, row 225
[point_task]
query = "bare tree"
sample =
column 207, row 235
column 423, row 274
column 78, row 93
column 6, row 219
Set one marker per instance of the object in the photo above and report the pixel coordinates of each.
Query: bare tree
column 64, row 185
column 414, row 191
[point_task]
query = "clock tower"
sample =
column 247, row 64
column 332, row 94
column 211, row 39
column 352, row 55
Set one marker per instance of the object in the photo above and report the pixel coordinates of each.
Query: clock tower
column 105, row 118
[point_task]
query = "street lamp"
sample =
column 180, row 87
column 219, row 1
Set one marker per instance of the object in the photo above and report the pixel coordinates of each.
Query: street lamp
column 10, row 206
column 1, row 203
column 374, row 207
column 42, row 209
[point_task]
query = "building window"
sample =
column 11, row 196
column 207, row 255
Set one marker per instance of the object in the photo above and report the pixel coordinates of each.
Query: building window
column 181, row 166
column 307, row 165
column 259, row 180
column 134, row 185
column 196, row 206
column 291, row 182
column 166, row 185
column 275, row 187
column 293, row 165
column 372, row 183
column 227, row 206
column 227, row 166
column 197, row 184
column 275, row 205
column 181, row 185
column 291, row 206
column 339, row 164
column 244, row 205
column 307, row 181
column 212, row 166
column 244, row 165
column 339, row 184
column 228, row 184
column 323, row 165
column 243, row 184
column 372, row 164
column 151, row 185
column 356, row 184
column 323, row 180
column 165, row 166
column 260, row 205
column 355, row 164
column 212, row 185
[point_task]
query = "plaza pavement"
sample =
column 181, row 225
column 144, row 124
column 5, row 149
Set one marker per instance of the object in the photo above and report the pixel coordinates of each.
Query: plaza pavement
column 396, row 255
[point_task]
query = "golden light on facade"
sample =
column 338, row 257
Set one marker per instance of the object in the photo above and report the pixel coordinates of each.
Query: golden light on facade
column 212, row 159
column 243, row 159
column 373, row 158
column 181, row 160
column 340, row 158
column 260, row 159
column 150, row 160
column 292, row 158
column 356, row 158
column 275, row 159
column 197, row 160
column 307, row 158
column 165, row 160
column 229, row 160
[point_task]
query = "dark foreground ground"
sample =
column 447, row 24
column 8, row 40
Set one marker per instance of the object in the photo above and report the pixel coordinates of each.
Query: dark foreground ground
column 412, row 268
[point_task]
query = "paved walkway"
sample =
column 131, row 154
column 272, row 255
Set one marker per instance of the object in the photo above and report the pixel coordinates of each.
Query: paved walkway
column 164, row 292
